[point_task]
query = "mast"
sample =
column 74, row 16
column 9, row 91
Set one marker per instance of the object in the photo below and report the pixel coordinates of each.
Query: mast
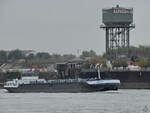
column 99, row 73
column 98, row 66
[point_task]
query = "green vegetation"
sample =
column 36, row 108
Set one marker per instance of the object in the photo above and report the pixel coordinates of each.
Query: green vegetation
column 90, row 53
column 14, row 55
column 8, row 56
column 120, row 63
column 143, row 62
column 141, row 51
column 3, row 56
column 98, row 59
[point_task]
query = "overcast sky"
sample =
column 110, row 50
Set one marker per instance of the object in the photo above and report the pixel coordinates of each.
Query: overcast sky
column 64, row 26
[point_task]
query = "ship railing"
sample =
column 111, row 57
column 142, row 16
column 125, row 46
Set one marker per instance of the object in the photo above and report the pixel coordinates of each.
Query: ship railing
column 65, row 81
column 11, row 84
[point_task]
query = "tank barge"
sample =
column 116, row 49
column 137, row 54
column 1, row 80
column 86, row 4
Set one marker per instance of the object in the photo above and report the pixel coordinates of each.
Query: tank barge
column 30, row 82
column 54, row 86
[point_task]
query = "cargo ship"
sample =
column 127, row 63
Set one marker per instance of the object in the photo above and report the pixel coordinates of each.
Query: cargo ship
column 30, row 82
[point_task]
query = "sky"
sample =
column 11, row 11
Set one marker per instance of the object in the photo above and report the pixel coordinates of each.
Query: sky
column 65, row 26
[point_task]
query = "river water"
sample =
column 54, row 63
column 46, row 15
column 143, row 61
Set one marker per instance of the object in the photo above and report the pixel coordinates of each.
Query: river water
column 121, row 101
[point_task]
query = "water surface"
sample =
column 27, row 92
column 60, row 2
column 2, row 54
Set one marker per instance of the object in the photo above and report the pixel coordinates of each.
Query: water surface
column 122, row 101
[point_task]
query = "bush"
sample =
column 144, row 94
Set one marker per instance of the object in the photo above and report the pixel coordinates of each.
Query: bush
column 120, row 63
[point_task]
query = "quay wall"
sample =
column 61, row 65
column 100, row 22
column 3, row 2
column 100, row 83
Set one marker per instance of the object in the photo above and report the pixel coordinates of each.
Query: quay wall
column 129, row 79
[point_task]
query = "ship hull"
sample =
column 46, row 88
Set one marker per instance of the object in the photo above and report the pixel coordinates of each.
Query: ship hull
column 65, row 87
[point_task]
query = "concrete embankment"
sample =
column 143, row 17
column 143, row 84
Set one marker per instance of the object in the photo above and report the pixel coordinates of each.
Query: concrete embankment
column 131, row 79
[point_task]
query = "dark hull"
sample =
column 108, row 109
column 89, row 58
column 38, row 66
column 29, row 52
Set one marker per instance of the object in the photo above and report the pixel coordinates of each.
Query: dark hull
column 65, row 87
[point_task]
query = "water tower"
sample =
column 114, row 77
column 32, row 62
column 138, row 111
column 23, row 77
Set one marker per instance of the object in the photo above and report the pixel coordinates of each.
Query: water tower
column 117, row 22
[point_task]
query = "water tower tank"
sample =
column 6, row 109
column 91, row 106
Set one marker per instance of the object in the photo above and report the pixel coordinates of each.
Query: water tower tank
column 117, row 15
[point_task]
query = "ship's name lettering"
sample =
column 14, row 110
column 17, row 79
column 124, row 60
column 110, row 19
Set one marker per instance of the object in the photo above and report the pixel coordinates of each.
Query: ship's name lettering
column 121, row 11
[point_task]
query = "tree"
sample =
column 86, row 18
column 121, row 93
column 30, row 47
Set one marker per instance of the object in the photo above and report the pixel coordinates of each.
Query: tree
column 69, row 56
column 3, row 56
column 141, row 51
column 30, row 56
column 141, row 62
column 123, row 63
column 97, row 59
column 90, row 53
column 15, row 55
column 42, row 55
column 120, row 63
column 56, row 56
column 147, row 64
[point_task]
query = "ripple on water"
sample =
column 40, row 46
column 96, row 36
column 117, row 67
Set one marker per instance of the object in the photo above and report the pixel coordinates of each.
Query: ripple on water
column 121, row 101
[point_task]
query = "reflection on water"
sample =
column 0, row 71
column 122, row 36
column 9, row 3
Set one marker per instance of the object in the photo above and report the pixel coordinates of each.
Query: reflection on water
column 122, row 101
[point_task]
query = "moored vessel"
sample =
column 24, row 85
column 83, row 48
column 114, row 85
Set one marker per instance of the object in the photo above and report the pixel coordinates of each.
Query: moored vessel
column 30, row 82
